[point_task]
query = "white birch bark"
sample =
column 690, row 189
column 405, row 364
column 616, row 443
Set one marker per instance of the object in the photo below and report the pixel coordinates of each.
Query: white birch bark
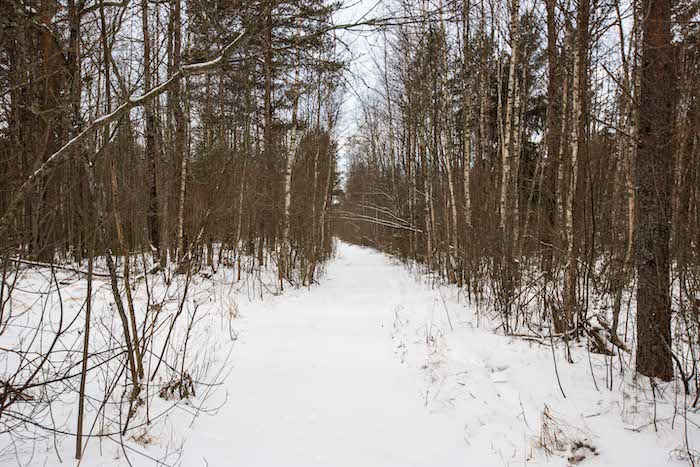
column 507, row 140
column 289, row 162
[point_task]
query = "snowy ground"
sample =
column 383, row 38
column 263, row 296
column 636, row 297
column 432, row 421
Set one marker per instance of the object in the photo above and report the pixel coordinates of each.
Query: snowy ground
column 365, row 370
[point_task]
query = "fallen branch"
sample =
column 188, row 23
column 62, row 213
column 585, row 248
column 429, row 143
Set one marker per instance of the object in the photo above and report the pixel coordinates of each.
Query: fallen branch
column 57, row 266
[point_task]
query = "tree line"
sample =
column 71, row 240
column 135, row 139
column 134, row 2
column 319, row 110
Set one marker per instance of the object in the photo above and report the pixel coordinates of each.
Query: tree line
column 188, row 155
column 144, row 144
column 544, row 156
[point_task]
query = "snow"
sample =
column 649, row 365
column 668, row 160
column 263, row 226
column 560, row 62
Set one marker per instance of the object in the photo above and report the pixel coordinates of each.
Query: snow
column 364, row 370
column 374, row 367
column 316, row 381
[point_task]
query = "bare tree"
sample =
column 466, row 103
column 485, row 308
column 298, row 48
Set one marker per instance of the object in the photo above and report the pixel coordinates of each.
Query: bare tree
column 654, row 182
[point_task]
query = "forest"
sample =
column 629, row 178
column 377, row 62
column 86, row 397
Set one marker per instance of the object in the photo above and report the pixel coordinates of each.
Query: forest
column 543, row 157
column 200, row 197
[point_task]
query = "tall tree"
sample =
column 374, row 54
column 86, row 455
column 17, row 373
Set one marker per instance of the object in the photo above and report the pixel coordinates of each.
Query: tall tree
column 654, row 188
column 152, row 216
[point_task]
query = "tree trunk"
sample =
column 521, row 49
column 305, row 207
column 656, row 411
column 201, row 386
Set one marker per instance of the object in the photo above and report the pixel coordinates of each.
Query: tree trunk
column 553, row 141
column 152, row 216
column 180, row 130
column 654, row 180
column 284, row 270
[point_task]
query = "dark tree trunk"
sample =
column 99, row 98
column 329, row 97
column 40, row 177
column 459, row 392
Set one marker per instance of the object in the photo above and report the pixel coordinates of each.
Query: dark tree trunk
column 553, row 142
column 654, row 181
column 152, row 216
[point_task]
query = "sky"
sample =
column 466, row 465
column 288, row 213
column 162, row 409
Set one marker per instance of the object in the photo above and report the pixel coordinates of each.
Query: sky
column 357, row 48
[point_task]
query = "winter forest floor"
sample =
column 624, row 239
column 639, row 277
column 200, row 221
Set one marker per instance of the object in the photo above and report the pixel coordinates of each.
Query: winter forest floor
column 375, row 368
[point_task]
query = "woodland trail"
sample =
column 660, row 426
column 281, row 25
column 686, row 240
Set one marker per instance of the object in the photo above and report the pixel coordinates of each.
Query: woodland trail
column 366, row 369
column 316, row 381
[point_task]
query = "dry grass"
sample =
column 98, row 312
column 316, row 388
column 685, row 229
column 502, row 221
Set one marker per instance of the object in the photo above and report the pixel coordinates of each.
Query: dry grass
column 558, row 438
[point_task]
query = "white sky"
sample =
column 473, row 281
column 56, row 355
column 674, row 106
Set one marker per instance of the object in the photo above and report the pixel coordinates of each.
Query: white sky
column 360, row 45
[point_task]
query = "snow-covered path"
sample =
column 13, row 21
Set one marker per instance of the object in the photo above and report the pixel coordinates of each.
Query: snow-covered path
column 365, row 370
column 373, row 367
column 316, row 381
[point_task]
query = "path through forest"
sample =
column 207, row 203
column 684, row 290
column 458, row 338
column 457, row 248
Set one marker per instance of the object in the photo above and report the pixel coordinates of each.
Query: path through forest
column 364, row 370
column 316, row 380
